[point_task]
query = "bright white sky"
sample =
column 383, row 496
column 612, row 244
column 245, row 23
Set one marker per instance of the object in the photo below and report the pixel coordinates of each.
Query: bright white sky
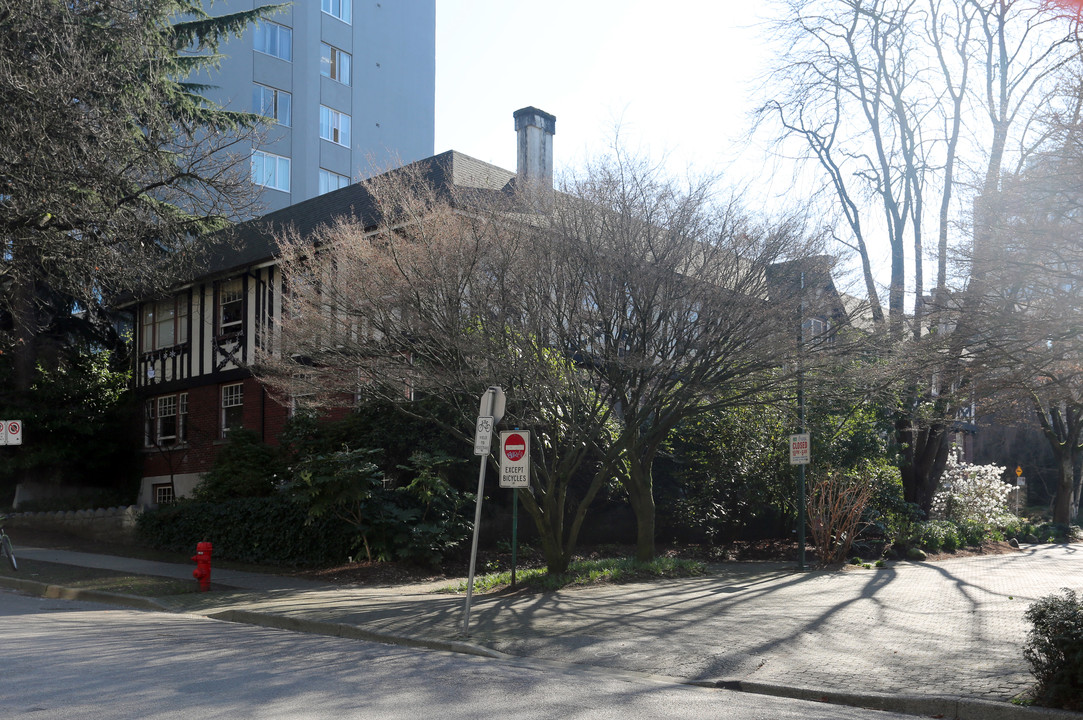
column 676, row 77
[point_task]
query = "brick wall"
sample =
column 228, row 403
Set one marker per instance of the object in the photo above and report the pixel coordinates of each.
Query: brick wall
column 262, row 414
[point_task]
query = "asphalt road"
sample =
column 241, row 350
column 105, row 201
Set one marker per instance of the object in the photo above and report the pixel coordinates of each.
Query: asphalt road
column 64, row 659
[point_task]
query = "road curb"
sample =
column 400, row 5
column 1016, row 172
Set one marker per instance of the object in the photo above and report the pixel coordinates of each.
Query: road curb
column 319, row 627
column 951, row 707
column 32, row 587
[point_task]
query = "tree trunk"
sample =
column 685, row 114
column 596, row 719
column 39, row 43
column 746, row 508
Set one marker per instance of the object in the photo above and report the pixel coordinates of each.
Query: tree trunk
column 557, row 556
column 925, row 453
column 1074, row 510
column 557, row 537
column 640, row 487
column 25, row 326
column 1061, row 425
column 1062, row 502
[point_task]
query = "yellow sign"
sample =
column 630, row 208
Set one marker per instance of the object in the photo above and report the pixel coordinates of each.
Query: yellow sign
column 1018, row 470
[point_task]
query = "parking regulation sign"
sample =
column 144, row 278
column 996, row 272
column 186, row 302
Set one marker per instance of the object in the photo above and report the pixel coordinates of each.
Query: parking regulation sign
column 514, row 459
column 800, row 453
column 11, row 432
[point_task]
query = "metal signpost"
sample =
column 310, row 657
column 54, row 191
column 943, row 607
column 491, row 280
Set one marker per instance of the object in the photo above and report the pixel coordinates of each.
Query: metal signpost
column 11, row 432
column 489, row 414
column 800, row 455
column 801, row 458
column 1020, row 488
column 514, row 474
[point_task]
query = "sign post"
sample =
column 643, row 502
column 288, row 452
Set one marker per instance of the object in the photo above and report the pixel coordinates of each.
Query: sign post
column 489, row 414
column 1020, row 488
column 514, row 474
column 800, row 455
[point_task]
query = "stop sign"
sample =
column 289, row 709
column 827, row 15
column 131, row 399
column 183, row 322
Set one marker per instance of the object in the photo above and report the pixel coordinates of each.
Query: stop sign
column 514, row 447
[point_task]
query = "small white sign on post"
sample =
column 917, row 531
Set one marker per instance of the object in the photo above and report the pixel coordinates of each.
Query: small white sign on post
column 483, row 436
column 515, row 459
column 800, row 453
column 11, row 432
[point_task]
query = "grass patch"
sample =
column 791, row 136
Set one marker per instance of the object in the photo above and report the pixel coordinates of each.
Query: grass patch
column 587, row 572
column 83, row 578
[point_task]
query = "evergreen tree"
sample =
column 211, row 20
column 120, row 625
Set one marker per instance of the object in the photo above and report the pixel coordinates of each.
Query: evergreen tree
column 113, row 170
column 112, row 164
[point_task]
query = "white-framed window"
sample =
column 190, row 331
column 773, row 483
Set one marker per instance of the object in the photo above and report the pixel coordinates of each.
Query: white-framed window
column 166, row 420
column 271, row 171
column 334, row 63
column 273, row 39
column 165, row 323
column 230, row 306
column 817, row 329
column 163, row 494
column 272, row 103
column 334, row 126
column 342, row 9
column 332, row 181
column 232, row 407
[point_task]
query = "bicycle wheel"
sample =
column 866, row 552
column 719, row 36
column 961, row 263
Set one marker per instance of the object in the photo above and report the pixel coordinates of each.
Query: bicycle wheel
column 5, row 549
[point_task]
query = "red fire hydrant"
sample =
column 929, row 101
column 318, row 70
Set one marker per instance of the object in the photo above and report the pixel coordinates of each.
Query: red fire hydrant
column 202, row 558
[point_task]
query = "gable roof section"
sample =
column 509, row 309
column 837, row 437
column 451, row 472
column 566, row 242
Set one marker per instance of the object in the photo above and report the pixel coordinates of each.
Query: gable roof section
column 253, row 242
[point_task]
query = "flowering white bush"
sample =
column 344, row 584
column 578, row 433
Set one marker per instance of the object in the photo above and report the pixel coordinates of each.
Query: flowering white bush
column 972, row 493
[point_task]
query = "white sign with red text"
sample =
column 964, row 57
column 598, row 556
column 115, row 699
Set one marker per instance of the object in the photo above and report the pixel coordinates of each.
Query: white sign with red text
column 800, row 453
column 514, row 459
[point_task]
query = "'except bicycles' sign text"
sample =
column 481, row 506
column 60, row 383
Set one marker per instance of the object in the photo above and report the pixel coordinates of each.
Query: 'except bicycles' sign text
column 514, row 459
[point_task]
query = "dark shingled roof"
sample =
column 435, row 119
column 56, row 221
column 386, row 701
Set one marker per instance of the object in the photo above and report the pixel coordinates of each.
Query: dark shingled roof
column 253, row 242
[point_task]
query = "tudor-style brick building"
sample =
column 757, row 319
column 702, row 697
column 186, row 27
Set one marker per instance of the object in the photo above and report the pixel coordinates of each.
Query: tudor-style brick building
column 195, row 345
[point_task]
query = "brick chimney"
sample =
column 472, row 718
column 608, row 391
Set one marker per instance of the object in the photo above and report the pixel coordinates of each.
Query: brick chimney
column 534, row 131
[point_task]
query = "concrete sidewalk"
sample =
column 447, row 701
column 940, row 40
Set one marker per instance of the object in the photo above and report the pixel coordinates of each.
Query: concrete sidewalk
column 930, row 638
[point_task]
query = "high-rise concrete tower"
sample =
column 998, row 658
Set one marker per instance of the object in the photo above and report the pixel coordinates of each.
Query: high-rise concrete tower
column 351, row 84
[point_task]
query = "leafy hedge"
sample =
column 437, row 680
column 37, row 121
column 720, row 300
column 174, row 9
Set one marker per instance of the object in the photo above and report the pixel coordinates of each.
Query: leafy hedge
column 269, row 530
column 1054, row 649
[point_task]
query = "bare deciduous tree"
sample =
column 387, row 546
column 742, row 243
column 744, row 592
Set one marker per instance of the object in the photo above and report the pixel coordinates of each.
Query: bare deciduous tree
column 1028, row 323
column 609, row 312
column 892, row 99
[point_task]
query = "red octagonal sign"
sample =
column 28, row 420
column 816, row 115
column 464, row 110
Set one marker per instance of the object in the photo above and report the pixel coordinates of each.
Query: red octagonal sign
column 514, row 447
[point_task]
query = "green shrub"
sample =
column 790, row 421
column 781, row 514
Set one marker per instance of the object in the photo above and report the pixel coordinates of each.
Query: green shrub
column 244, row 467
column 439, row 522
column 273, row 530
column 973, row 533
column 1052, row 532
column 722, row 475
column 419, row 521
column 887, row 515
column 1054, row 649
column 935, row 536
